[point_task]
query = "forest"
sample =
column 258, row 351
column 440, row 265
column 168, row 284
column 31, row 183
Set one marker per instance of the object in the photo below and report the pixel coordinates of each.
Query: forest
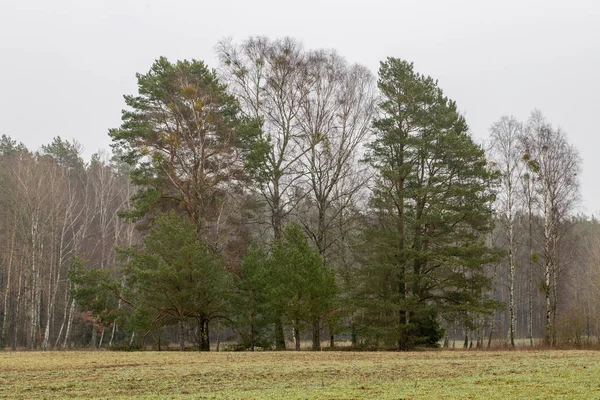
column 287, row 196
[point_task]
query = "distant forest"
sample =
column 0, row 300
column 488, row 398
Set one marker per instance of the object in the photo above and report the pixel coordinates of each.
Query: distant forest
column 288, row 196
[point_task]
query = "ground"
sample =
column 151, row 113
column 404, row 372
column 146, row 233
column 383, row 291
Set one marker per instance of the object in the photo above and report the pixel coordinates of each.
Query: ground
column 304, row 375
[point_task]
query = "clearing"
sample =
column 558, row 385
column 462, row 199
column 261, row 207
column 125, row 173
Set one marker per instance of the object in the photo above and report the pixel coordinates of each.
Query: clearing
column 304, row 375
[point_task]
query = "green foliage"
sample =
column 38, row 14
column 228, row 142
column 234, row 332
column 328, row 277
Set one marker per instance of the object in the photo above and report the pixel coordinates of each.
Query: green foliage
column 187, row 149
column 290, row 282
column 172, row 279
column 257, row 147
column 431, row 211
column 67, row 154
column 93, row 290
column 251, row 316
column 9, row 146
column 300, row 287
column 176, row 276
column 180, row 136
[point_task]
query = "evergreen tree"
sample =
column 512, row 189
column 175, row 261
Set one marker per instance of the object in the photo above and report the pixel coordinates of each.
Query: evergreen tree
column 173, row 279
column 67, row 154
column 299, row 286
column 181, row 136
column 251, row 316
column 431, row 208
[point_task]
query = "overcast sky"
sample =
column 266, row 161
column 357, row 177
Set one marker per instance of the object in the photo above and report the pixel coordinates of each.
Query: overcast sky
column 65, row 65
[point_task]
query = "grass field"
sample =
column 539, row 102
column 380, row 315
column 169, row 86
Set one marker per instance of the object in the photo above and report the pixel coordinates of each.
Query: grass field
column 304, row 375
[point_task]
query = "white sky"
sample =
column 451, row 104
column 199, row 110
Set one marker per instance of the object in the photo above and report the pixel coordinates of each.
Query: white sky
column 64, row 65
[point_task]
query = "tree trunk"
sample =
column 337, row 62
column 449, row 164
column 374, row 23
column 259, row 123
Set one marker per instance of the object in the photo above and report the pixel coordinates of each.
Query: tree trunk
column 51, row 306
column 62, row 325
column 3, row 336
column 549, row 328
column 252, row 333
column 276, row 217
column 93, row 339
column 204, row 338
column 279, row 335
column 402, row 337
column 511, row 295
column 34, row 311
column 530, row 285
column 316, row 335
column 112, row 336
column 181, row 335
column 548, row 232
column 297, row 338
column 489, row 344
column 554, row 293
column 17, row 312
column 218, row 337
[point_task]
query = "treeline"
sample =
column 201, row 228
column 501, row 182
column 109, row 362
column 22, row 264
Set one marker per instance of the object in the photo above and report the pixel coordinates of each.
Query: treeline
column 54, row 208
column 290, row 195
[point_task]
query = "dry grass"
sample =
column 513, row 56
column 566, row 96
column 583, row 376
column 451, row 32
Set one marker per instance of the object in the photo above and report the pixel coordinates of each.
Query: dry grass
column 304, row 375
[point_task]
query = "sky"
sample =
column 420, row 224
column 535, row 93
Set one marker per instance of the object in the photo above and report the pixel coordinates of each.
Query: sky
column 65, row 65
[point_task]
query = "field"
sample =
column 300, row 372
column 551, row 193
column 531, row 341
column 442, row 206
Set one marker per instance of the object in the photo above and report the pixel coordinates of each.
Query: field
column 303, row 375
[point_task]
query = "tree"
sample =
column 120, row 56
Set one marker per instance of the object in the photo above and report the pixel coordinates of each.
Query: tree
column 431, row 208
column 251, row 314
column 180, row 137
column 580, row 305
column 506, row 154
column 556, row 165
column 300, row 287
column 174, row 278
column 66, row 154
column 336, row 113
column 528, row 191
column 315, row 113
column 336, row 117
column 269, row 78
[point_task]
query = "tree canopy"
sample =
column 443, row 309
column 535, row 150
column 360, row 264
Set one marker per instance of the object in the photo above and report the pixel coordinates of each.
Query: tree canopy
column 287, row 197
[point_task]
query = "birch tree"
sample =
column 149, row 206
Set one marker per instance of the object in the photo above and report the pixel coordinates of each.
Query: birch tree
column 269, row 78
column 506, row 154
column 336, row 113
column 556, row 164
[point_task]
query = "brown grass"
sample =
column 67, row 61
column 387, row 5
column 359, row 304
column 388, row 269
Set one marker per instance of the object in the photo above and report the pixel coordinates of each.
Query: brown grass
column 303, row 375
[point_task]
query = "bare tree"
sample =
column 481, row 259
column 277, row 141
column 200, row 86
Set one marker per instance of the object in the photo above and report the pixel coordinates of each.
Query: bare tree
column 529, row 202
column 556, row 164
column 270, row 80
column 53, row 208
column 335, row 117
column 506, row 154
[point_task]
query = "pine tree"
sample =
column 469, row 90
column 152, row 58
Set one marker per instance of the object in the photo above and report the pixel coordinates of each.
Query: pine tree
column 181, row 136
column 299, row 286
column 251, row 315
column 431, row 208
column 172, row 279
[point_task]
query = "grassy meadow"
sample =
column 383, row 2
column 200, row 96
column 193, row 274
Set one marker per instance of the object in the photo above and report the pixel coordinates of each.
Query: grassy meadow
column 304, row 375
